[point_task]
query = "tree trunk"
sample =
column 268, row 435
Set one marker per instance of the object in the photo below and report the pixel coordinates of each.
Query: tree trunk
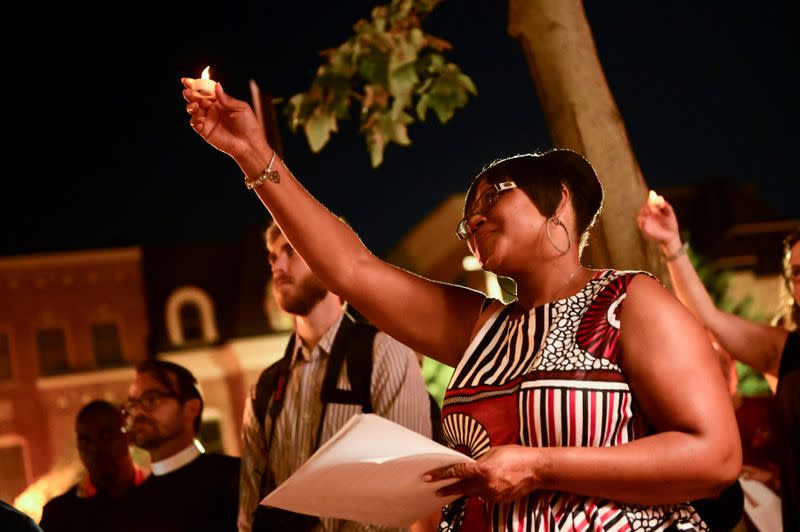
column 582, row 115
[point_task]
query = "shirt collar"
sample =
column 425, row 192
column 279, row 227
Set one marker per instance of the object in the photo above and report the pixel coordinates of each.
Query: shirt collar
column 323, row 347
column 177, row 460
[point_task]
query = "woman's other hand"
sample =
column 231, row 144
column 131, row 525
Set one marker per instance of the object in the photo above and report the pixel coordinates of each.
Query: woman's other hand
column 659, row 224
column 503, row 474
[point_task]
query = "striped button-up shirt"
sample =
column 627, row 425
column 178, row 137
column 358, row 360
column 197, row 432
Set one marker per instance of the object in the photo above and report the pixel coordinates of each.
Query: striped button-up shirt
column 398, row 393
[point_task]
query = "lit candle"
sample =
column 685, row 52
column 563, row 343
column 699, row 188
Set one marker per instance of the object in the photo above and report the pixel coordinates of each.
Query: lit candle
column 655, row 202
column 204, row 87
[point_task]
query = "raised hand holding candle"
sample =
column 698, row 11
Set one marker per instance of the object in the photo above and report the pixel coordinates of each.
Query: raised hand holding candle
column 654, row 201
column 204, row 87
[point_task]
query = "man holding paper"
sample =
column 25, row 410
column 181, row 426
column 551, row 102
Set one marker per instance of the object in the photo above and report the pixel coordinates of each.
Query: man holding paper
column 276, row 444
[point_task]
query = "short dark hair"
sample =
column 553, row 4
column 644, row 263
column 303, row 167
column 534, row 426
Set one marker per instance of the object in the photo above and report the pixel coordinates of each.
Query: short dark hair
column 183, row 386
column 540, row 175
column 100, row 406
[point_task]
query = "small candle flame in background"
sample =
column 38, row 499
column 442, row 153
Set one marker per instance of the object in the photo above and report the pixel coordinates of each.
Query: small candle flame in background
column 206, row 73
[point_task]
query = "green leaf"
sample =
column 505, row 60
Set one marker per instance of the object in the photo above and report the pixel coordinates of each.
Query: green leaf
column 376, row 143
column 751, row 383
column 443, row 106
column 436, row 376
column 422, row 107
column 400, row 129
column 393, row 68
column 402, row 81
column 416, row 38
column 373, row 67
column 318, row 129
column 380, row 15
column 467, row 83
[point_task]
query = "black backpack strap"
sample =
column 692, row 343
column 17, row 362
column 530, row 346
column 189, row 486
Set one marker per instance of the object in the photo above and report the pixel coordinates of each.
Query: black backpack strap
column 353, row 342
column 273, row 381
column 270, row 392
column 359, row 363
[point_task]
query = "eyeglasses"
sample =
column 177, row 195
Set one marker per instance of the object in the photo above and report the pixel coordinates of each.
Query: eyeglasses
column 147, row 401
column 482, row 206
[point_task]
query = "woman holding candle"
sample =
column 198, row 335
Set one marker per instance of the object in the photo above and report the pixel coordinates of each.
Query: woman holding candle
column 772, row 350
column 564, row 397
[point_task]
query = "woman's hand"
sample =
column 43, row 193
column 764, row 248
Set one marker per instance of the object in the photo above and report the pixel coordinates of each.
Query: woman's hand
column 660, row 225
column 224, row 122
column 503, row 474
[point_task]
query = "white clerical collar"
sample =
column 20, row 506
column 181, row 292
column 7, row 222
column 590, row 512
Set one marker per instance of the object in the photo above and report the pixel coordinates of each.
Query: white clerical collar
column 177, row 460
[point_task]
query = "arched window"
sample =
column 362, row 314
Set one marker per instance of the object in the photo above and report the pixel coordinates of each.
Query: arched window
column 191, row 322
column 190, row 317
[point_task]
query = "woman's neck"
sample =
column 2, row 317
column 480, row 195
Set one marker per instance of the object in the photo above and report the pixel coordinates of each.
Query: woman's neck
column 546, row 285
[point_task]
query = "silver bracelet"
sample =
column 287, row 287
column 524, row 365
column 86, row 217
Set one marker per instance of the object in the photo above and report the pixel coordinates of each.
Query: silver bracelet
column 268, row 173
column 679, row 253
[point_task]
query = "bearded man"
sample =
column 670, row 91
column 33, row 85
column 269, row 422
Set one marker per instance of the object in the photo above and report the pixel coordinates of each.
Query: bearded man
column 274, row 449
column 188, row 489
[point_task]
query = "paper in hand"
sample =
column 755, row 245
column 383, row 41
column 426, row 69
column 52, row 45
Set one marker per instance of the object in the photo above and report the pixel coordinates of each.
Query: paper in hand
column 370, row 472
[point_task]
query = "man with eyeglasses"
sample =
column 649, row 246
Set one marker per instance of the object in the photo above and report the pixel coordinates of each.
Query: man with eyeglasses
column 187, row 488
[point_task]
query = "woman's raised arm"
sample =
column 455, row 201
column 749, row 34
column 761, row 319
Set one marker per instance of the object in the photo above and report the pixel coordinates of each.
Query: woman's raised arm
column 756, row 344
column 433, row 318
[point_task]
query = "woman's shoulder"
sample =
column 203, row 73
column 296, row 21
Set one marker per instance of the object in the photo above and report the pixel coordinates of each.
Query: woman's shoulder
column 618, row 281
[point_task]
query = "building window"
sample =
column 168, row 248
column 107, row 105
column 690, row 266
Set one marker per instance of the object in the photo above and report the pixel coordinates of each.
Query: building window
column 13, row 470
column 5, row 357
column 52, row 346
column 190, row 317
column 107, row 345
column 191, row 322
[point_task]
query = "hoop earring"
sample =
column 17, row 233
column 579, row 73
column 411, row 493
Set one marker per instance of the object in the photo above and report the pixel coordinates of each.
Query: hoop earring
column 558, row 223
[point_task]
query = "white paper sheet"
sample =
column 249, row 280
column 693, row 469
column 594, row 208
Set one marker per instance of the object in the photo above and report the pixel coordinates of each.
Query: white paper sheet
column 371, row 472
column 762, row 505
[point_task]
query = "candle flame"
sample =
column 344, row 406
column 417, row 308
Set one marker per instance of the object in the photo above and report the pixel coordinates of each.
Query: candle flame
column 655, row 201
column 206, row 73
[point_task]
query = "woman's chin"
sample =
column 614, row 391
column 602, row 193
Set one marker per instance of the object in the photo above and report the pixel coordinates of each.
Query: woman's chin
column 488, row 263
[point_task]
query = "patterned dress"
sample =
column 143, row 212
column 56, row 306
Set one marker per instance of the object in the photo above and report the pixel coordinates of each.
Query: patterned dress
column 551, row 377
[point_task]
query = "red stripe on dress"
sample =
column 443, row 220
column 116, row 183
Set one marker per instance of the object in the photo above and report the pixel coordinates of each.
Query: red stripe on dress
column 608, row 514
column 521, row 512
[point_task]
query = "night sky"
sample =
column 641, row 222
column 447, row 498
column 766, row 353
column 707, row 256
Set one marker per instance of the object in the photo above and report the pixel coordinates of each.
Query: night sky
column 101, row 154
